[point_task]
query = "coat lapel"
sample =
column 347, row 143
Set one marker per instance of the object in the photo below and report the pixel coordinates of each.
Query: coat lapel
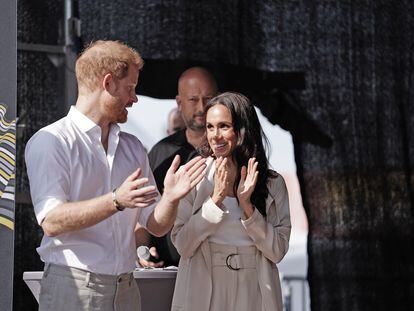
column 205, row 187
column 203, row 192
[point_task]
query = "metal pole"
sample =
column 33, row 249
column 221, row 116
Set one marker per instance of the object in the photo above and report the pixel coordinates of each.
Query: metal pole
column 68, row 15
column 71, row 26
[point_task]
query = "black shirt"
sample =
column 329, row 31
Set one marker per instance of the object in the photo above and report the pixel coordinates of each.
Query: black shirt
column 160, row 158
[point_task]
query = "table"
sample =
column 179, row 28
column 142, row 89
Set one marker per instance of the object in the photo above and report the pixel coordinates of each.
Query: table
column 155, row 285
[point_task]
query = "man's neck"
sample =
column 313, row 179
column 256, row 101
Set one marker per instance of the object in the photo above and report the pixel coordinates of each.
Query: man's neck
column 86, row 105
column 194, row 138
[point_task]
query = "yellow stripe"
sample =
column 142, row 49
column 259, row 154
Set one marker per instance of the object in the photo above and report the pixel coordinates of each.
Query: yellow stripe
column 5, row 175
column 9, row 135
column 6, row 123
column 10, row 139
column 6, row 222
column 13, row 135
column 8, row 159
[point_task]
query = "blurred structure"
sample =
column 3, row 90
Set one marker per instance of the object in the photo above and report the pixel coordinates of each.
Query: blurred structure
column 175, row 122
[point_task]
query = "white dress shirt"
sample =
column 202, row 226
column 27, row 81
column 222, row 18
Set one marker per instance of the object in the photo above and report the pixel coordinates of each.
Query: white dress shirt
column 231, row 230
column 66, row 162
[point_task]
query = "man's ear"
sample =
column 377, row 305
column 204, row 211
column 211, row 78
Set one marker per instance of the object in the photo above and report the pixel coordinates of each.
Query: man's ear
column 108, row 83
column 178, row 100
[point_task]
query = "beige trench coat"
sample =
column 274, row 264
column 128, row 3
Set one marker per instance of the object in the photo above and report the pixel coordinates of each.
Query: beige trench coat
column 198, row 218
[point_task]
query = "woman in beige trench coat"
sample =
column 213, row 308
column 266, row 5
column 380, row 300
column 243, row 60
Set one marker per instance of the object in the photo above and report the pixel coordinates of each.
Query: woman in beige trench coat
column 234, row 226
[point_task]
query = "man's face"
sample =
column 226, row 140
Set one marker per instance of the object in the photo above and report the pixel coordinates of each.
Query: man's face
column 123, row 96
column 193, row 94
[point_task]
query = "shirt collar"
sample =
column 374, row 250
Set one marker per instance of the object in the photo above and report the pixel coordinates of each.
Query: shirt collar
column 82, row 122
column 115, row 129
column 86, row 125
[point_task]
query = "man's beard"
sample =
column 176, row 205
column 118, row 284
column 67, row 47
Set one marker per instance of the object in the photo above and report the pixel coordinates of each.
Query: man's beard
column 122, row 117
column 195, row 126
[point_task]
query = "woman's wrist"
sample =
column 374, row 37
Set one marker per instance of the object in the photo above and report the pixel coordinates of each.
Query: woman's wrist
column 217, row 199
column 248, row 209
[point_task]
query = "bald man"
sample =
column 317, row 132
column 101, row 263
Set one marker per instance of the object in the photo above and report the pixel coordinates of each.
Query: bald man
column 196, row 86
column 91, row 185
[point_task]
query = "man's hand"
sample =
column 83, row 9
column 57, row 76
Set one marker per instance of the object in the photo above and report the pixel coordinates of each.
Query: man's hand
column 134, row 194
column 73, row 216
column 150, row 264
column 178, row 183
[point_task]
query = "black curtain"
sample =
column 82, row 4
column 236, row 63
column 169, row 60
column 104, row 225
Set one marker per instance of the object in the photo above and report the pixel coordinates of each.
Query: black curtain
column 337, row 74
column 38, row 22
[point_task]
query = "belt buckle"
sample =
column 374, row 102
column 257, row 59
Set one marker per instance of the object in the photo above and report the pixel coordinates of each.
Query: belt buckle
column 228, row 262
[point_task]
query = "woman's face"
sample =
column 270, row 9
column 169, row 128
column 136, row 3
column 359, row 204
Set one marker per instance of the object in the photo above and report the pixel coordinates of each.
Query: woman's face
column 220, row 132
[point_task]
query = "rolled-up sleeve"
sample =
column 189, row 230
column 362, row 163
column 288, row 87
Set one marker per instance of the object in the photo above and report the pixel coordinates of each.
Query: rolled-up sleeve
column 48, row 168
column 271, row 234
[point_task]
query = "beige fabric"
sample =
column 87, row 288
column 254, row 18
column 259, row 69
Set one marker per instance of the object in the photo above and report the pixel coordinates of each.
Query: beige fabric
column 234, row 289
column 70, row 289
column 198, row 217
column 233, row 257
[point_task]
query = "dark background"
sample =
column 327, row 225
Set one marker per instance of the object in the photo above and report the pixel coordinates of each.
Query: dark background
column 337, row 74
